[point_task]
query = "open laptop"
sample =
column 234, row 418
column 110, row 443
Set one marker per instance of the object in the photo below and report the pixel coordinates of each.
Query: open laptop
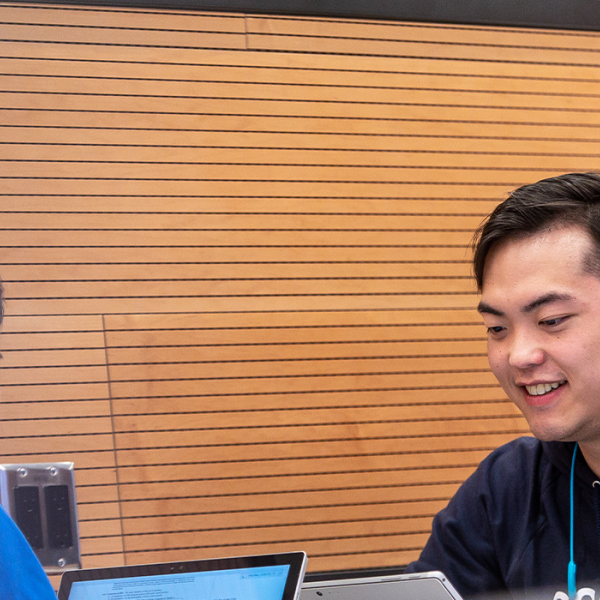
column 263, row 577
column 415, row 586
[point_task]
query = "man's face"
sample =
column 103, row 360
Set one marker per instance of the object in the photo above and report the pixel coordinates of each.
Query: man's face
column 542, row 313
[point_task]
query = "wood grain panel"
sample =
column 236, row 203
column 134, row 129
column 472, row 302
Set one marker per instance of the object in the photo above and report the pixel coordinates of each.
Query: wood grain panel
column 289, row 450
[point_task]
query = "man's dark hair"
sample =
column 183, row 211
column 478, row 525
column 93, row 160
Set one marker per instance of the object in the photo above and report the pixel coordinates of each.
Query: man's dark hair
column 568, row 200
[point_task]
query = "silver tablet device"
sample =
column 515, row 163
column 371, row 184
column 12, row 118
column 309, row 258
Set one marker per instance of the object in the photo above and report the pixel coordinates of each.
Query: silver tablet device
column 432, row 585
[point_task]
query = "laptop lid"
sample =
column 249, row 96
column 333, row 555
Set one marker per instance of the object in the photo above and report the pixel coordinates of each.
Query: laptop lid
column 263, row 577
column 414, row 586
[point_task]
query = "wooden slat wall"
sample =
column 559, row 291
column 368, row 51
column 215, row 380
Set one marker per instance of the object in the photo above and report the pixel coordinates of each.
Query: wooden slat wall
column 234, row 251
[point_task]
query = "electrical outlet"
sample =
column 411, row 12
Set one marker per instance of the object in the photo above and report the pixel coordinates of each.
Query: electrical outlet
column 40, row 498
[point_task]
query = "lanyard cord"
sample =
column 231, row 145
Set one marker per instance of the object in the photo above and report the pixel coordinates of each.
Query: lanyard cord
column 572, row 566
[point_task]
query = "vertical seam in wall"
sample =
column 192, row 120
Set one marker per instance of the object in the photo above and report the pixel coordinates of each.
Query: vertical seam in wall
column 114, row 440
column 246, row 31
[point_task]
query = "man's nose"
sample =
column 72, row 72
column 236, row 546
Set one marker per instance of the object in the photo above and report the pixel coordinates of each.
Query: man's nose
column 526, row 351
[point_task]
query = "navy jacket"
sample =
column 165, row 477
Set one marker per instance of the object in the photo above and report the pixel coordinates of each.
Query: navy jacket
column 507, row 528
column 21, row 575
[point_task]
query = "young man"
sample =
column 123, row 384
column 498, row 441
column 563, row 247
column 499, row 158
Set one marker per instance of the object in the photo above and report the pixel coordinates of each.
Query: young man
column 21, row 575
column 529, row 517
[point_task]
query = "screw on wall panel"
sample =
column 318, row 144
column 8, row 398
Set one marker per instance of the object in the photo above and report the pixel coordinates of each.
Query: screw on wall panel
column 22, row 471
column 53, row 471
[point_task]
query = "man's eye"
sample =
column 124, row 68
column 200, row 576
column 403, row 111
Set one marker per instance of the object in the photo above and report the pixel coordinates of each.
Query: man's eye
column 553, row 322
column 496, row 329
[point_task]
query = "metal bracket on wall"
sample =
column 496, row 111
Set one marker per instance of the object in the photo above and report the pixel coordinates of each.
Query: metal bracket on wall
column 40, row 498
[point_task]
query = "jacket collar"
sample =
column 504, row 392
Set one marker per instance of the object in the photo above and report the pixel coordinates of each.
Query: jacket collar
column 560, row 454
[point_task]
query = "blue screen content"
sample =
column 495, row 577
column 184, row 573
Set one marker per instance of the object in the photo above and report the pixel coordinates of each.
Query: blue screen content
column 256, row 583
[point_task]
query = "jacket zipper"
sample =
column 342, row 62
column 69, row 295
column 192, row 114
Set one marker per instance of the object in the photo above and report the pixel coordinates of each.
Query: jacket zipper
column 596, row 497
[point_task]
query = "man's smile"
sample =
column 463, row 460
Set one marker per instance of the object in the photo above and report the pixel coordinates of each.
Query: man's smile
column 541, row 389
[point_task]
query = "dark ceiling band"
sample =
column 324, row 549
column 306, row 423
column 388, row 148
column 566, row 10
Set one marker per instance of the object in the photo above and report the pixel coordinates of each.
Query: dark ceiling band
column 559, row 14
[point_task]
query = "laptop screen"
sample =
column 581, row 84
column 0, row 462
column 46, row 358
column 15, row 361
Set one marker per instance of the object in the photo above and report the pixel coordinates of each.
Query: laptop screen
column 266, row 577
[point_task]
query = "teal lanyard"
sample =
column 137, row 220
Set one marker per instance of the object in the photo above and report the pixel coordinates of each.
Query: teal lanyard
column 572, row 566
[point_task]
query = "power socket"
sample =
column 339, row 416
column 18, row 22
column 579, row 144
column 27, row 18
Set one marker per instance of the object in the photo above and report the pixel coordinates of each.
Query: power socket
column 40, row 498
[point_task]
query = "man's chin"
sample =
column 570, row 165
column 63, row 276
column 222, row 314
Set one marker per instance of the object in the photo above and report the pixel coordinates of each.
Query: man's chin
column 551, row 434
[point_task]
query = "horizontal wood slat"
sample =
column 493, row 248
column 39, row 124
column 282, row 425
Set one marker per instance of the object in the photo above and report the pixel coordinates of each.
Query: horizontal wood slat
column 428, row 126
column 209, row 272
column 429, row 448
column 297, row 108
column 259, row 303
column 343, row 149
column 235, row 255
column 420, row 63
column 319, row 400
column 297, row 189
column 95, row 88
column 301, row 77
column 238, row 222
column 122, row 159
column 360, row 254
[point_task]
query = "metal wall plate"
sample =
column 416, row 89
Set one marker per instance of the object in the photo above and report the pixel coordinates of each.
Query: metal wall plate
column 40, row 498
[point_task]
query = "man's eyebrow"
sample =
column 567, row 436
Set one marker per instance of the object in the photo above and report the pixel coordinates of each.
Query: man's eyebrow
column 483, row 307
column 546, row 299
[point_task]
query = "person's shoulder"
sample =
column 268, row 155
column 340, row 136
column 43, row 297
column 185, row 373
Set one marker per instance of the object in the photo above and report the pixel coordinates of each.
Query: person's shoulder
column 21, row 574
column 523, row 448
column 526, row 465
column 512, row 463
